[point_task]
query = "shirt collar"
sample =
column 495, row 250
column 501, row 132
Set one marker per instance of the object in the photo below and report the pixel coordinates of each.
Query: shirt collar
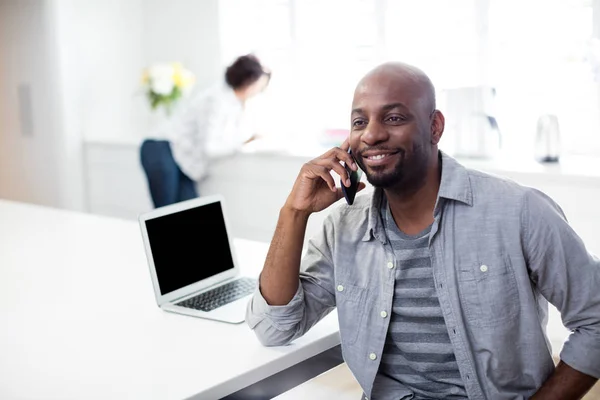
column 455, row 184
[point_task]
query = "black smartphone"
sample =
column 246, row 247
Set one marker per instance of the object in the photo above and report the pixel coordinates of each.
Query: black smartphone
column 350, row 191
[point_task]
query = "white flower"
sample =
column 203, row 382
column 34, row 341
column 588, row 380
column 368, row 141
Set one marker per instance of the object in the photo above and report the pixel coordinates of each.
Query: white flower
column 165, row 84
column 161, row 78
column 162, row 86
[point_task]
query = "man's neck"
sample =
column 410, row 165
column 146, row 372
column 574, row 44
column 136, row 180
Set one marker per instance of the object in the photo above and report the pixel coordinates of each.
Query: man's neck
column 413, row 212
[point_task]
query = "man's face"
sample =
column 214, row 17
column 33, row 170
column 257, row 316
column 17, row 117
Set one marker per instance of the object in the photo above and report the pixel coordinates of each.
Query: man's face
column 390, row 132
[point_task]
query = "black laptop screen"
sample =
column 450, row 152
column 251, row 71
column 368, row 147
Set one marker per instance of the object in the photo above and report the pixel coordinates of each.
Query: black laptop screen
column 188, row 246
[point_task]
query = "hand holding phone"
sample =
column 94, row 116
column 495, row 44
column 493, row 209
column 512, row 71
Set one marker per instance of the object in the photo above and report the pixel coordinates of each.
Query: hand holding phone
column 350, row 191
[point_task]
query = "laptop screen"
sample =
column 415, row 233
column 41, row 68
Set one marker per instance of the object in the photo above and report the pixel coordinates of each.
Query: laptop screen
column 184, row 245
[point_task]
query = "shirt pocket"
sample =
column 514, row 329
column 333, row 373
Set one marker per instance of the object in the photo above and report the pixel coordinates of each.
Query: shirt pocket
column 488, row 291
column 350, row 300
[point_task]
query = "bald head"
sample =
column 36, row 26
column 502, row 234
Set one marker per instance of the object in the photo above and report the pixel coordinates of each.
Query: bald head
column 401, row 78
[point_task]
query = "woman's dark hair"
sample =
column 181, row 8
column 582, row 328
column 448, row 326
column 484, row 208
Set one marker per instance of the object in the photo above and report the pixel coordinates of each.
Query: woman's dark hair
column 244, row 71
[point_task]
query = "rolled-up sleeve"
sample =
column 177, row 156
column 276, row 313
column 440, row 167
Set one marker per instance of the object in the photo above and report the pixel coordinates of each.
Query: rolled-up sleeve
column 314, row 299
column 567, row 275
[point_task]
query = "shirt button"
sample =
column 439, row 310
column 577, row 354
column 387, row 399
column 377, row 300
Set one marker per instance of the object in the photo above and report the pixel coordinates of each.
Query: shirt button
column 340, row 288
column 373, row 356
column 483, row 268
column 383, row 314
column 390, row 265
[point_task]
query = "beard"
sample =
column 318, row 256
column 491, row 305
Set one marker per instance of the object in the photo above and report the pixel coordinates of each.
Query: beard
column 407, row 175
column 382, row 179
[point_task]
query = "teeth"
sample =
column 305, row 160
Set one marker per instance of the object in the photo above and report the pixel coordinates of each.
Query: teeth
column 379, row 157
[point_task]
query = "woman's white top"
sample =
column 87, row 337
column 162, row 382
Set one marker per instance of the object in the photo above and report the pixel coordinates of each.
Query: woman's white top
column 210, row 124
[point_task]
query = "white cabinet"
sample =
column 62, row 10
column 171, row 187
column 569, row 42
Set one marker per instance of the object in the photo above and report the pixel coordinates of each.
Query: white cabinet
column 115, row 182
column 255, row 186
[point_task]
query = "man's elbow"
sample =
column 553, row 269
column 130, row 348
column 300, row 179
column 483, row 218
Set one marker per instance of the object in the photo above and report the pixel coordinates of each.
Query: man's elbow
column 273, row 342
column 270, row 336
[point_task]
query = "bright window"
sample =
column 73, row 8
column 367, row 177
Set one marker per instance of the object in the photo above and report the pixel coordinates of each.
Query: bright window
column 538, row 64
column 532, row 52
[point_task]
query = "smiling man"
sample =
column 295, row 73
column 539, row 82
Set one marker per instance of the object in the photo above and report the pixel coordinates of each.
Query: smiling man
column 441, row 275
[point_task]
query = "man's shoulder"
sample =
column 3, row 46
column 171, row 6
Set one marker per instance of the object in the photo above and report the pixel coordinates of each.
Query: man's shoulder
column 494, row 184
column 504, row 196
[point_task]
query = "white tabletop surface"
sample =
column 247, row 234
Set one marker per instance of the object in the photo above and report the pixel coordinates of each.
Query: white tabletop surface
column 79, row 319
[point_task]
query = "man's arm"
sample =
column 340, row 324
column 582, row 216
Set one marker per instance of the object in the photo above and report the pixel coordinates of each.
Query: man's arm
column 568, row 276
column 279, row 278
column 286, row 304
column 314, row 190
column 566, row 383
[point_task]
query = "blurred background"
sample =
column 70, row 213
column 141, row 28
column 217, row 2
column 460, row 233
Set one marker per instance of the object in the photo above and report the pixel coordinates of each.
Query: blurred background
column 73, row 110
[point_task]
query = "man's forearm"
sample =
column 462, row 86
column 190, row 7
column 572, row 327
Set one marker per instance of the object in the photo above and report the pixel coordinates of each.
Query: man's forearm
column 565, row 383
column 279, row 278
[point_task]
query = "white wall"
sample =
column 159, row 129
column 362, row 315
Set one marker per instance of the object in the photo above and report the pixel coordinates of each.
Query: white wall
column 30, row 143
column 100, row 63
column 101, row 55
column 82, row 61
column 186, row 31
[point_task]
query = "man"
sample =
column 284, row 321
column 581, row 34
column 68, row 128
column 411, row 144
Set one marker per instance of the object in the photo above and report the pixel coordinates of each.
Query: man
column 440, row 275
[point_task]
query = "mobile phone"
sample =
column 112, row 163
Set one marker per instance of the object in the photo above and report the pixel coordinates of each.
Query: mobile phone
column 350, row 191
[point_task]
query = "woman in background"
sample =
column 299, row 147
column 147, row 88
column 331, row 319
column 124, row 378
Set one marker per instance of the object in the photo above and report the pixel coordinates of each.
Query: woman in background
column 210, row 125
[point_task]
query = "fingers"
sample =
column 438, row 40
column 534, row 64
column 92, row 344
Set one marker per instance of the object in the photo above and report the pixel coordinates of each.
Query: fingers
column 315, row 171
column 333, row 159
column 344, row 155
column 345, row 144
column 323, row 168
column 323, row 172
column 345, row 147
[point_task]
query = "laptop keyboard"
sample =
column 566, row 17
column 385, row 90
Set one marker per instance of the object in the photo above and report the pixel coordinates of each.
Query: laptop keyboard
column 220, row 295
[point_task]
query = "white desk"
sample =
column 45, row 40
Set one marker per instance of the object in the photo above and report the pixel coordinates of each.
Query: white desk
column 78, row 318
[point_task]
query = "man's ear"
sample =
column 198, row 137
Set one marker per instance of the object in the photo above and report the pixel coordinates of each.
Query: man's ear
column 437, row 126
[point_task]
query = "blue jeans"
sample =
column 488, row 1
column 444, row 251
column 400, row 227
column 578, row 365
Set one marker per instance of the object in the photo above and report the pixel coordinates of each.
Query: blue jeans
column 166, row 182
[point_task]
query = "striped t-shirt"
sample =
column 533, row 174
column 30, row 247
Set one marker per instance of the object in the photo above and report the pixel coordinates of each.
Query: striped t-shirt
column 418, row 357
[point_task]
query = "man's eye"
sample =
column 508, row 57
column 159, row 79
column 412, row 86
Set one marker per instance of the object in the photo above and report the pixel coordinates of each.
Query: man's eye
column 394, row 118
column 358, row 123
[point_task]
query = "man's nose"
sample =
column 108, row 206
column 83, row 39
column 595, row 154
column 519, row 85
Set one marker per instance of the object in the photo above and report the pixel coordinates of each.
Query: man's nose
column 374, row 133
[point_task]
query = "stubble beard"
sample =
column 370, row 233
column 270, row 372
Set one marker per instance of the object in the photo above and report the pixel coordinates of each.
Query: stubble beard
column 407, row 176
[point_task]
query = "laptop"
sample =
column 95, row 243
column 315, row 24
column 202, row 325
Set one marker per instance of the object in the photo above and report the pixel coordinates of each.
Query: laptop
column 192, row 262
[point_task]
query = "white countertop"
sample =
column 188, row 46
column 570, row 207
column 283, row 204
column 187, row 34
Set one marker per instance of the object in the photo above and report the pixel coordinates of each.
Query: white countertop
column 570, row 169
column 79, row 318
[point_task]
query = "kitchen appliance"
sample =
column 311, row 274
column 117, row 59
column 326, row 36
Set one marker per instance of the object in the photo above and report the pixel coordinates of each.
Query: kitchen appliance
column 547, row 139
column 471, row 130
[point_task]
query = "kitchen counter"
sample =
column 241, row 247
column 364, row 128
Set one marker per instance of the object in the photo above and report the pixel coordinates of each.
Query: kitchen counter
column 585, row 170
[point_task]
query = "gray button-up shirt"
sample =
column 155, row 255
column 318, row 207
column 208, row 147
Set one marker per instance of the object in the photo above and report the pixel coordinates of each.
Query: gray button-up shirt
column 499, row 252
